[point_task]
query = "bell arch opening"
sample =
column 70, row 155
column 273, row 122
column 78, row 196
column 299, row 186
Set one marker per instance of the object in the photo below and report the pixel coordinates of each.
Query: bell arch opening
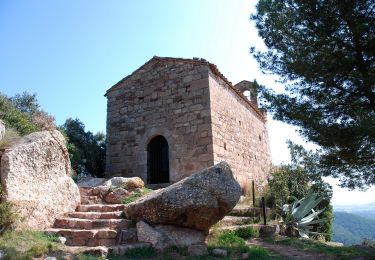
column 157, row 160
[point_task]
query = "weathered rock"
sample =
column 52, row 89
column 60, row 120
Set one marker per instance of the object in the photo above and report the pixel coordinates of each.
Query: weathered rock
column 162, row 236
column 197, row 250
column 196, row 202
column 2, row 129
column 126, row 183
column 35, row 175
column 128, row 235
column 219, row 252
column 90, row 182
column 116, row 196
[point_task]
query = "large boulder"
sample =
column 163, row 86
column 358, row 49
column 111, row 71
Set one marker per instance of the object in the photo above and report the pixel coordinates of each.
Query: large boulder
column 197, row 202
column 35, row 175
column 164, row 236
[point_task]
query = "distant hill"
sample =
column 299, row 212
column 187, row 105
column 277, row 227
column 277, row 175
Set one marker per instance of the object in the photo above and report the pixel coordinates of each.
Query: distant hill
column 351, row 229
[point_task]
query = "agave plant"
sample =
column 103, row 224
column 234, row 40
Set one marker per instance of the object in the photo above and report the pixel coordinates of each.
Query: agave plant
column 301, row 216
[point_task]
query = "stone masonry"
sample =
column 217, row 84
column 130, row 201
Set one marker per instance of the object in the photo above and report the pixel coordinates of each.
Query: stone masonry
column 202, row 116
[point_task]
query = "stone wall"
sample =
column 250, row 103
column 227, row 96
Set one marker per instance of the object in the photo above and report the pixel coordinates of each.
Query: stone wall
column 240, row 134
column 35, row 175
column 162, row 98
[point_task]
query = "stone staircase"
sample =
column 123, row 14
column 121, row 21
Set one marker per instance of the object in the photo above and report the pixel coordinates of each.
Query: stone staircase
column 96, row 228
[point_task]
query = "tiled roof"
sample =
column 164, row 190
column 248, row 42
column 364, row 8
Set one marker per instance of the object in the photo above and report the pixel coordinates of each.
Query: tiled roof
column 213, row 69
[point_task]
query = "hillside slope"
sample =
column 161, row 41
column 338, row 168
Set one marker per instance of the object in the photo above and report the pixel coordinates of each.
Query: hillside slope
column 351, row 229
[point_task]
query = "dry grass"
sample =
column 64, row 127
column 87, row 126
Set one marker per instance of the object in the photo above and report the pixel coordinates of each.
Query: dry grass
column 10, row 138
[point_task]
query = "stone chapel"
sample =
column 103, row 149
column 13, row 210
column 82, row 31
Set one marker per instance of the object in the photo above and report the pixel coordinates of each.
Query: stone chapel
column 173, row 117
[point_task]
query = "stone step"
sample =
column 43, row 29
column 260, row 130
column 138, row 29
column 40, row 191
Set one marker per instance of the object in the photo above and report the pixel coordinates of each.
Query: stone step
column 99, row 251
column 90, row 200
column 93, row 237
column 76, row 223
column 87, row 191
column 103, row 251
column 101, row 208
column 96, row 215
column 233, row 220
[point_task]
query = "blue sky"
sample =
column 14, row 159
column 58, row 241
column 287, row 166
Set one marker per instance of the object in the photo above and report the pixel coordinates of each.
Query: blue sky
column 70, row 52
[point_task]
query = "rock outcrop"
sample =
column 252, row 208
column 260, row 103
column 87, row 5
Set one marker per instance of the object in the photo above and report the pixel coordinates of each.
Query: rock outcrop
column 126, row 183
column 196, row 202
column 164, row 236
column 35, row 175
column 111, row 191
column 2, row 129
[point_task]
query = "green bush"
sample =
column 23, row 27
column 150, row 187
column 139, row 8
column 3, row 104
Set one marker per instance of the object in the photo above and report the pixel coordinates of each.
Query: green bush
column 86, row 150
column 8, row 216
column 229, row 239
column 258, row 253
column 15, row 118
column 246, row 232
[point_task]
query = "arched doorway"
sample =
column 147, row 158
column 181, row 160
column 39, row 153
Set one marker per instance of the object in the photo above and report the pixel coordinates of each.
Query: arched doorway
column 157, row 160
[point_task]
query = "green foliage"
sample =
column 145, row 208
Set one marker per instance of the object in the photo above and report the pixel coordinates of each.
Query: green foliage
column 141, row 253
column 27, row 244
column 86, row 150
column 22, row 113
column 351, row 229
column 135, row 195
column 323, row 52
column 287, row 182
column 8, row 216
column 258, row 253
column 246, row 232
column 293, row 181
column 301, row 214
column 15, row 118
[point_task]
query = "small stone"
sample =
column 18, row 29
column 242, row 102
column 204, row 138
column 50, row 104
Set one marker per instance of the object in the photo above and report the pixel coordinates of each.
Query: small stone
column 245, row 256
column 50, row 258
column 116, row 196
column 128, row 235
column 197, row 250
column 62, row 240
column 219, row 252
column 2, row 254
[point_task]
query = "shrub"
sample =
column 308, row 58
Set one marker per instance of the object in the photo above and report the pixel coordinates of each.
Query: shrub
column 258, row 253
column 10, row 138
column 229, row 239
column 8, row 216
column 22, row 113
column 246, row 232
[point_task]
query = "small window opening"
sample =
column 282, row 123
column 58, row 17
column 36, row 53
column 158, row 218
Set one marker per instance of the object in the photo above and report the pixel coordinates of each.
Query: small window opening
column 247, row 94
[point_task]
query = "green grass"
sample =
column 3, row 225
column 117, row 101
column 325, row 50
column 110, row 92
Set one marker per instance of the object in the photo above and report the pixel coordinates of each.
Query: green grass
column 236, row 246
column 246, row 232
column 135, row 196
column 346, row 252
column 27, row 244
column 141, row 253
column 88, row 257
